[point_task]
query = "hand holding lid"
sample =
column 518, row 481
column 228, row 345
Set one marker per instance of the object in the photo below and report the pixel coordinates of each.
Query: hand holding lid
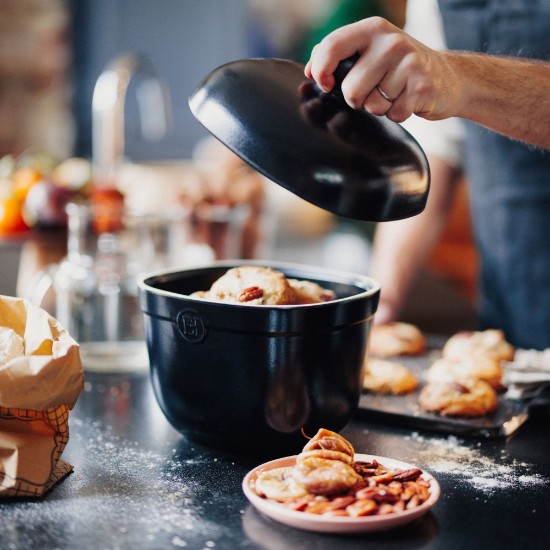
column 349, row 162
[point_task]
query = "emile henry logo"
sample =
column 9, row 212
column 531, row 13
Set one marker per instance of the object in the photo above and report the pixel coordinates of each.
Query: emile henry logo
column 191, row 326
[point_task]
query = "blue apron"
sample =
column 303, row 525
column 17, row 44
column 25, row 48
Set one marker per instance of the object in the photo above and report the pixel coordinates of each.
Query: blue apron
column 509, row 182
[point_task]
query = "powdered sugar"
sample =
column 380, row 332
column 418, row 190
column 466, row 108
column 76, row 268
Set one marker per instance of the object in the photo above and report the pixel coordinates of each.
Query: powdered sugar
column 467, row 462
column 116, row 482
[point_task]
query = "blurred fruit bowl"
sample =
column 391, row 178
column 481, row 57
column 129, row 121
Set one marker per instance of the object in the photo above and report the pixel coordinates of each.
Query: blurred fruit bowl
column 35, row 189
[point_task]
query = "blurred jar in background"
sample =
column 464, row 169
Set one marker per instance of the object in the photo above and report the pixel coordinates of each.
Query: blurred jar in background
column 229, row 207
column 226, row 199
column 93, row 291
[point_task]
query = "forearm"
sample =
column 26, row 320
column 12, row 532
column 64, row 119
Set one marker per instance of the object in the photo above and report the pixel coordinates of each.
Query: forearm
column 510, row 96
column 395, row 75
column 401, row 248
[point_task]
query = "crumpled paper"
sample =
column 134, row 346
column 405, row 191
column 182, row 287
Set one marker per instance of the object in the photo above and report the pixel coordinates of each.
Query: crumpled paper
column 37, row 390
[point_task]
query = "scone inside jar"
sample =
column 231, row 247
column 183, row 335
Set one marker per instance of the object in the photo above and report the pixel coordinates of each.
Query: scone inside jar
column 256, row 285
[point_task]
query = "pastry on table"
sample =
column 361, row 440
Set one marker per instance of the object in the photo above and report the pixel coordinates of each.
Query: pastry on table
column 467, row 397
column 478, row 367
column 383, row 376
column 489, row 343
column 395, row 339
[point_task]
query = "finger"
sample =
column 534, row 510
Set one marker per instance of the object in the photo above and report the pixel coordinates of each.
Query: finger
column 375, row 67
column 322, row 73
column 399, row 86
column 376, row 103
column 307, row 68
column 334, row 48
column 360, row 83
column 399, row 111
column 385, row 94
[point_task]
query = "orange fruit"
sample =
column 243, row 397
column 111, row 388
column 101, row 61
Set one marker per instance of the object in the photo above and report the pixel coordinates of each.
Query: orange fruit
column 11, row 219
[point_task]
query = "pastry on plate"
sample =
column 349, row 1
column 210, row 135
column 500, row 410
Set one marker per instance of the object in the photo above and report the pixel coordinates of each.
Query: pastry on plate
column 467, row 397
column 478, row 367
column 489, row 343
column 328, row 479
column 383, row 376
column 395, row 339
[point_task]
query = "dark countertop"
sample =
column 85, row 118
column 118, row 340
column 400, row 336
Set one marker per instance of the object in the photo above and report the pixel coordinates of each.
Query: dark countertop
column 138, row 484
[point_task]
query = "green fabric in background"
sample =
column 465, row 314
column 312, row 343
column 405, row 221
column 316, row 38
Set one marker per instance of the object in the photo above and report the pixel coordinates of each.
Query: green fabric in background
column 344, row 13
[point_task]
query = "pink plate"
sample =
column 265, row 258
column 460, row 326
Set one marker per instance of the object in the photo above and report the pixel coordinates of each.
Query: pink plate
column 324, row 524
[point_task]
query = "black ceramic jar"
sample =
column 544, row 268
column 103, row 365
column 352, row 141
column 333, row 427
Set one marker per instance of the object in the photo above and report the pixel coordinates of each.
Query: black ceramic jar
column 251, row 378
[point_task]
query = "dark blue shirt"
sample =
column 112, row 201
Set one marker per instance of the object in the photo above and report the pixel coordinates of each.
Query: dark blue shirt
column 509, row 181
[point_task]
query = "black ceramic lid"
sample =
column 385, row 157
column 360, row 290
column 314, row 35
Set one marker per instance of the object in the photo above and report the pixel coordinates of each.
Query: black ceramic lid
column 346, row 161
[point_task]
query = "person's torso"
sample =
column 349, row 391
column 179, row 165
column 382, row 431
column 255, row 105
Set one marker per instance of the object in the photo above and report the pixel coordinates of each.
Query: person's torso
column 509, row 181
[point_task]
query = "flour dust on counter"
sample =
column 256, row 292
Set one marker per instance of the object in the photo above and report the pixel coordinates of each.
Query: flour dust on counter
column 139, row 490
column 466, row 461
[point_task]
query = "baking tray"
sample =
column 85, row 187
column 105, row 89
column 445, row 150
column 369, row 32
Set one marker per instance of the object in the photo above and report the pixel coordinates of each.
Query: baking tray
column 403, row 410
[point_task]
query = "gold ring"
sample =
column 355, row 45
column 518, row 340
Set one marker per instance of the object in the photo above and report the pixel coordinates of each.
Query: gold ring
column 384, row 94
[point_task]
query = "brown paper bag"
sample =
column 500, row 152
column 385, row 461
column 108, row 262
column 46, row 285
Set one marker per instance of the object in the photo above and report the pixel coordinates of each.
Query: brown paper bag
column 37, row 390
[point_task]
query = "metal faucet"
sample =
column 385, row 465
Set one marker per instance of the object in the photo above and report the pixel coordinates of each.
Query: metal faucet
column 108, row 105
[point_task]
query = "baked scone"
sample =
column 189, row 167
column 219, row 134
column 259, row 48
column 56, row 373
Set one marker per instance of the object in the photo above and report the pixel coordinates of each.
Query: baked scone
column 382, row 376
column 394, row 339
column 200, row 295
column 279, row 484
column 322, row 476
column 477, row 367
column 308, row 292
column 466, row 397
column 489, row 343
column 263, row 286
column 252, row 285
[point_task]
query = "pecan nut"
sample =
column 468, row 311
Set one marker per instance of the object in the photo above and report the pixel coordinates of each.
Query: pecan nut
column 250, row 293
column 362, row 507
column 408, row 475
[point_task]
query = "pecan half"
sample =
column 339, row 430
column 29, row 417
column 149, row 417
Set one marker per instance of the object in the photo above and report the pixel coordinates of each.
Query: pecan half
column 362, row 507
column 423, row 493
column 318, row 507
column 250, row 293
column 340, row 503
column 386, row 495
column 386, row 508
column 399, row 506
column 413, row 503
column 365, row 469
column 408, row 475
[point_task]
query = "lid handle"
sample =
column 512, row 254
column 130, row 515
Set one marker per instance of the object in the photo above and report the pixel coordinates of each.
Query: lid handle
column 339, row 74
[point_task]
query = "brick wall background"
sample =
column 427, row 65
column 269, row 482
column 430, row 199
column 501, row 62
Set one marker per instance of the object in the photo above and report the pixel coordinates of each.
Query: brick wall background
column 35, row 102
